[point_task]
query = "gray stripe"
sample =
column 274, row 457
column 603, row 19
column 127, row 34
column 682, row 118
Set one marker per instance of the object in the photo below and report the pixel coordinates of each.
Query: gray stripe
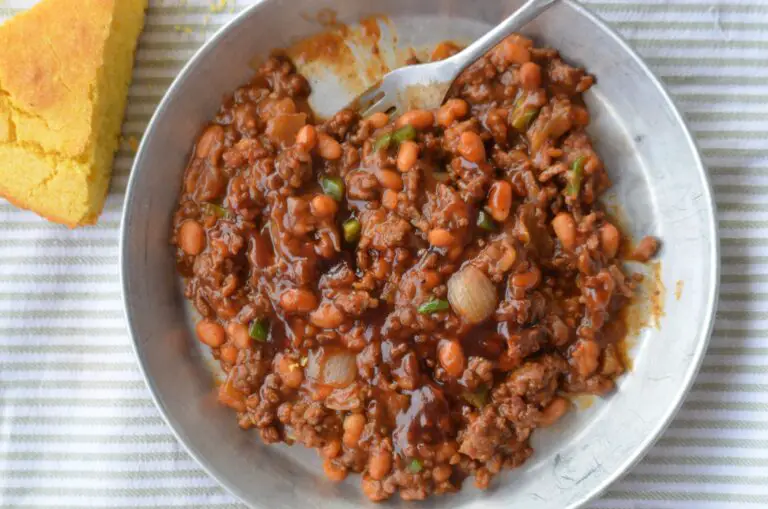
column 704, row 61
column 63, row 331
column 99, row 367
column 75, row 385
column 162, row 27
column 737, row 406
column 738, row 81
column 737, row 350
column 66, row 420
column 91, row 439
column 60, row 296
column 743, row 224
column 59, row 278
column 731, row 135
column 135, row 492
column 730, row 368
column 32, row 314
column 669, row 478
column 689, row 25
column 68, row 242
column 739, row 443
column 24, row 401
column 687, row 496
column 757, row 296
column 736, row 278
column 724, row 116
column 67, row 349
column 668, row 7
column 136, row 457
column 731, row 461
column 729, row 387
column 25, row 225
column 736, row 260
column 112, row 475
column 743, row 207
column 734, row 242
column 735, row 152
column 60, row 505
column 714, row 44
column 719, row 424
column 58, row 260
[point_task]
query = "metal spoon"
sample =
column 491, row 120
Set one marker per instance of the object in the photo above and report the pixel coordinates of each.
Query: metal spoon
column 425, row 86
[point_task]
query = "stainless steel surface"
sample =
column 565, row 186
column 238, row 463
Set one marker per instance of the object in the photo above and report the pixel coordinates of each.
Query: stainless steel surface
column 659, row 181
column 424, row 86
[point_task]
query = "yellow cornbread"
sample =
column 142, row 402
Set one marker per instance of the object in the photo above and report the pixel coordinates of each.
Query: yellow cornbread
column 65, row 68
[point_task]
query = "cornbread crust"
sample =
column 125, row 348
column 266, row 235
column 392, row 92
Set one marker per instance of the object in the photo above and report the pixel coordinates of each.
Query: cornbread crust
column 65, row 68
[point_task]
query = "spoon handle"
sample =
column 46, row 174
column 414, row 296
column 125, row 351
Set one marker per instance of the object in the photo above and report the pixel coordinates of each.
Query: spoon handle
column 530, row 10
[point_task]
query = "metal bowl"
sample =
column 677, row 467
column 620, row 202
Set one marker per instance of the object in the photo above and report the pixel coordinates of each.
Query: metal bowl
column 660, row 184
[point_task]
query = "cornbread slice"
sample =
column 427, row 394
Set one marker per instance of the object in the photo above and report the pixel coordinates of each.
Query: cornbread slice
column 65, row 68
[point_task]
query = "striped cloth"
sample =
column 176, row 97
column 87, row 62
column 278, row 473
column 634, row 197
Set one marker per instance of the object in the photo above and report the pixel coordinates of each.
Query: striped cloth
column 78, row 428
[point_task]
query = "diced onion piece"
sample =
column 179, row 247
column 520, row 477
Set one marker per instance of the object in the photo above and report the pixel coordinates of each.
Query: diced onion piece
column 472, row 295
column 282, row 129
column 335, row 368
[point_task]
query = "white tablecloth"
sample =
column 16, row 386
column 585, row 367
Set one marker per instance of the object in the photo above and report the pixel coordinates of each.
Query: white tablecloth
column 78, row 428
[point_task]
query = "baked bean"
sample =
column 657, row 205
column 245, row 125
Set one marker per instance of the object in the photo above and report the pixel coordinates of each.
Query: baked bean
column 228, row 353
column 445, row 451
column 471, row 147
column 290, row 372
column 213, row 135
column 327, row 316
column 530, row 75
column 515, row 53
column 552, row 413
column 379, row 464
column 407, row 155
column 565, row 229
column 420, row 119
column 645, row 249
column 323, row 206
column 442, row 473
column 298, row 300
column 390, row 179
column 585, row 356
column 430, row 279
column 378, row 120
column 579, row 116
column 191, row 237
column 231, row 396
column 451, row 357
column 331, row 449
column 527, row 280
column 373, row 490
column 500, row 200
column 440, row 237
column 238, row 333
column 210, row 333
column 353, row 428
column 307, row 137
column 334, row 472
column 389, row 199
column 328, row 147
column 452, row 110
column 609, row 239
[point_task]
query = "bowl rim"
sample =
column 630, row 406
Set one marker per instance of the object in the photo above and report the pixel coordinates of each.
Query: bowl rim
column 703, row 332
